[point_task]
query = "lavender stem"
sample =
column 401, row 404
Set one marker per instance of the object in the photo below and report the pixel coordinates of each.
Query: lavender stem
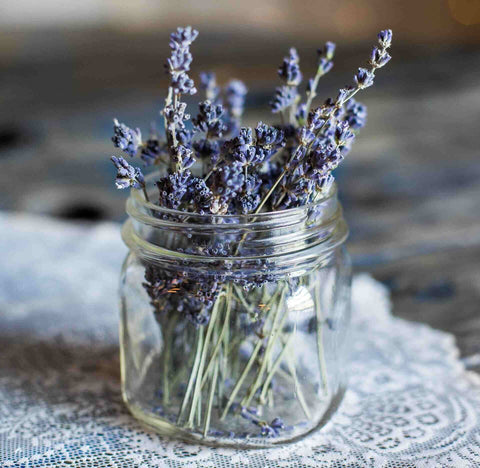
column 242, row 378
column 274, row 368
column 321, row 355
column 210, row 401
column 220, row 338
column 198, row 380
column 193, row 373
column 276, row 327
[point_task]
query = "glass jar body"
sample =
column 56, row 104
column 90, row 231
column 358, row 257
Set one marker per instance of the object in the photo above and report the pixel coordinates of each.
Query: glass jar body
column 265, row 367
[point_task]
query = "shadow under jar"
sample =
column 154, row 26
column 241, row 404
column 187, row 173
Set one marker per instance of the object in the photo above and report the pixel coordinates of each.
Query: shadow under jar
column 233, row 327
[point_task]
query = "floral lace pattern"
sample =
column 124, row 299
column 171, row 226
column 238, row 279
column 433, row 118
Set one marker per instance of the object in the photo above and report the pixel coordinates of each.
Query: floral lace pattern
column 410, row 403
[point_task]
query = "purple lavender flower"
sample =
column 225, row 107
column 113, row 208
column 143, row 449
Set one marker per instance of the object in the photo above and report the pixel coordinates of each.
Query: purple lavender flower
column 209, row 119
column 364, row 78
column 172, row 189
column 269, row 137
column 301, row 114
column 385, row 38
column 325, row 183
column 283, row 98
column 343, row 134
column 356, row 114
column 328, row 50
column 297, row 190
column 200, row 195
column 184, row 137
column 176, row 116
column 235, row 93
column 273, row 429
column 325, row 57
column 249, row 198
column 180, row 60
column 289, row 71
column 266, row 430
column 244, row 139
column 208, row 83
column 306, row 136
column 242, row 150
column 207, row 150
column 183, row 84
column 183, row 158
column 323, row 160
column 152, row 151
column 183, row 37
column 194, row 302
column 379, row 57
column 248, row 203
column 127, row 176
column 226, row 182
column 342, row 96
column 125, row 138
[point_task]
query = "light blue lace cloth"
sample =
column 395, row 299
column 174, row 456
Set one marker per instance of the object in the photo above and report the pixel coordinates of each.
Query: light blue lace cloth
column 410, row 402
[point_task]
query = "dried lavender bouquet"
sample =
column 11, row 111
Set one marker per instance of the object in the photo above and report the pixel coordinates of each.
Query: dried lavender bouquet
column 211, row 165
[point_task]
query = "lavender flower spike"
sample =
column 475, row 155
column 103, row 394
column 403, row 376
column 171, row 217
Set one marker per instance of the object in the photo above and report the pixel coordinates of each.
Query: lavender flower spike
column 208, row 83
column 235, row 97
column 125, row 138
column 385, row 38
column 180, row 60
column 127, row 176
column 364, row 78
column 283, row 98
column 289, row 71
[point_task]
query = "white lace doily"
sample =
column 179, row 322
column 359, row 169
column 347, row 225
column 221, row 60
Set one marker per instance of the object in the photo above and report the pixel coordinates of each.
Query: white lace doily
column 410, row 402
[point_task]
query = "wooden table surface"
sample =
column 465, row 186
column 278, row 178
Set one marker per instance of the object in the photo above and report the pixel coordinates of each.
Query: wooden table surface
column 410, row 187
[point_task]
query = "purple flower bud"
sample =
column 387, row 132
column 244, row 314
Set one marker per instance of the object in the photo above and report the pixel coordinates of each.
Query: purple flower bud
column 379, row 58
column 310, row 85
column 343, row 134
column 284, row 97
column 172, row 189
column 364, row 78
column 329, row 50
column 209, row 119
column 208, row 83
column 316, row 119
column 325, row 66
column 127, row 176
column 269, row 137
column 301, row 114
column 289, row 71
column 175, row 116
column 343, row 95
column 356, row 114
column 125, row 138
column 200, row 195
column 183, row 84
column 235, row 97
column 183, row 37
column 183, row 158
column 305, row 135
column 152, row 150
column 325, row 183
column 277, row 423
column 208, row 150
column 385, row 38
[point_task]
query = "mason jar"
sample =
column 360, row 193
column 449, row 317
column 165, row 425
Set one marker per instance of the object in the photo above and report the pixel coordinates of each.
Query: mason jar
column 233, row 327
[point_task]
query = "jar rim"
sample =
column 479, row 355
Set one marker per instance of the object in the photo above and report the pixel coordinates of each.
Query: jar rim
column 138, row 197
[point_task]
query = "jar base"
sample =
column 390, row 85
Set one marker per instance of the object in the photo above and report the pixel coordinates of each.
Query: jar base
column 167, row 429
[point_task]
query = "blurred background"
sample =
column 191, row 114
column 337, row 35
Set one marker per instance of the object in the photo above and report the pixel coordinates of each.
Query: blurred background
column 410, row 187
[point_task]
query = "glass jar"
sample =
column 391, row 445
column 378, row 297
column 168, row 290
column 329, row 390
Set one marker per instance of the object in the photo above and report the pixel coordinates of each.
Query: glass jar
column 233, row 328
